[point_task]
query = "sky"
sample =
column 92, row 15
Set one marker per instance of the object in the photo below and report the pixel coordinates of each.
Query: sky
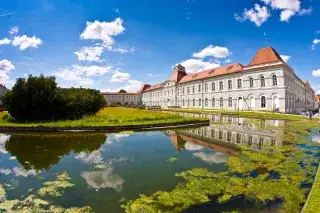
column 121, row 44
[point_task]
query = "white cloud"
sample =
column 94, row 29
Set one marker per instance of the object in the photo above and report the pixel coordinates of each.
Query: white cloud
column 214, row 158
column 91, row 54
column 305, row 11
column 120, row 76
column 121, row 50
column 5, row 67
column 116, row 138
column 25, row 42
column 103, row 31
column 5, row 171
column 3, row 140
column 21, row 172
column 103, row 179
column 316, row 73
column 5, row 41
column 116, row 10
column 285, row 15
column 258, row 15
column 315, row 42
column 81, row 74
column 197, row 65
column 288, row 8
column 192, row 147
column 14, row 30
column 214, row 51
column 317, row 31
column 90, row 158
column 285, row 58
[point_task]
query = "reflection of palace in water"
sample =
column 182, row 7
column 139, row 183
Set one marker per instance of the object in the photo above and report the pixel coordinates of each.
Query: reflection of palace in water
column 226, row 133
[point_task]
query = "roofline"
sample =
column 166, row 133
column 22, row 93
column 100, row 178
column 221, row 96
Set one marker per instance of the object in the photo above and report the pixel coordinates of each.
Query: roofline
column 119, row 93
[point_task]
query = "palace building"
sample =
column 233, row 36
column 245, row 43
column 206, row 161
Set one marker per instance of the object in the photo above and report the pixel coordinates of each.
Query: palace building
column 266, row 83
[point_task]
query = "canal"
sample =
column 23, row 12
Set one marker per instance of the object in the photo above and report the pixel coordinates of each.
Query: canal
column 106, row 170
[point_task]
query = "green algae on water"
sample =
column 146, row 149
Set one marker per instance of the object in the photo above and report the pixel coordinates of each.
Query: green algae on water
column 56, row 188
column 172, row 159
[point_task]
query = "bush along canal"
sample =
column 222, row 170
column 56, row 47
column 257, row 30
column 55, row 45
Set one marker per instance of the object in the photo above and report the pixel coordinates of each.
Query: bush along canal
column 233, row 165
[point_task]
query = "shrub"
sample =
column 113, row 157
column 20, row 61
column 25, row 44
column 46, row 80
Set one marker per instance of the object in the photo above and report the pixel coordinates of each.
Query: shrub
column 39, row 98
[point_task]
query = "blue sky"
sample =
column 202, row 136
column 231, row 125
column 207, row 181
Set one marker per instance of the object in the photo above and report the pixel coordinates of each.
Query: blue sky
column 116, row 44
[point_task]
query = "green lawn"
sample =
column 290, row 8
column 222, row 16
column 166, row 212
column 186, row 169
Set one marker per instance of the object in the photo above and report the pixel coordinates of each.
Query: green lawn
column 115, row 116
column 248, row 114
column 312, row 205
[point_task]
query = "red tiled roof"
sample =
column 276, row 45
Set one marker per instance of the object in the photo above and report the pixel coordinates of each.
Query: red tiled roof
column 119, row 93
column 232, row 68
column 144, row 87
column 157, row 86
column 265, row 55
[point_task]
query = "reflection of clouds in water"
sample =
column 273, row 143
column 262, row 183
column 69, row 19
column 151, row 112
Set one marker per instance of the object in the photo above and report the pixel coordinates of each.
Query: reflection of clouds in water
column 315, row 138
column 103, row 179
column 19, row 171
column 115, row 138
column 90, row 158
column 5, row 171
column 192, row 147
column 3, row 139
column 213, row 158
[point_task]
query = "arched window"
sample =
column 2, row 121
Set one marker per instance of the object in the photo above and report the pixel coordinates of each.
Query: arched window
column 193, row 102
column 262, row 81
column 263, row 102
column 274, row 80
column 221, row 85
column 250, row 82
column 199, row 102
column 206, row 102
column 230, row 102
column 213, row 102
column 221, row 102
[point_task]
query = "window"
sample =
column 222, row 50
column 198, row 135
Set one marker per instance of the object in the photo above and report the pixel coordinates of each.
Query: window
column 188, row 90
column 238, row 138
column 171, row 92
column 183, row 102
column 229, row 136
column 193, row 89
column 213, row 102
column 206, row 87
column 193, row 102
column 263, row 102
column 220, row 134
column 239, row 83
column 199, row 102
column 183, row 90
column 206, row 102
column 199, row 87
column 250, row 82
column 221, row 102
column 262, row 81
column 213, row 86
column 221, row 85
column 274, row 80
column 230, row 102
column 229, row 84
column 188, row 102
column 178, row 91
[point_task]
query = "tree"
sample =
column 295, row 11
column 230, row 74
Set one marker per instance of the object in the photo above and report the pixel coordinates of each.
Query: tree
column 39, row 98
column 122, row 91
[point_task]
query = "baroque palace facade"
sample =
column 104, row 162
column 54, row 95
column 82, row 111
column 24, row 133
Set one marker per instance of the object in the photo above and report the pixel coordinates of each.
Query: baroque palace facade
column 266, row 83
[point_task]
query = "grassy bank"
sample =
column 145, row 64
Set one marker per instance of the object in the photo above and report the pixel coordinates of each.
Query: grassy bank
column 106, row 117
column 248, row 114
column 312, row 204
